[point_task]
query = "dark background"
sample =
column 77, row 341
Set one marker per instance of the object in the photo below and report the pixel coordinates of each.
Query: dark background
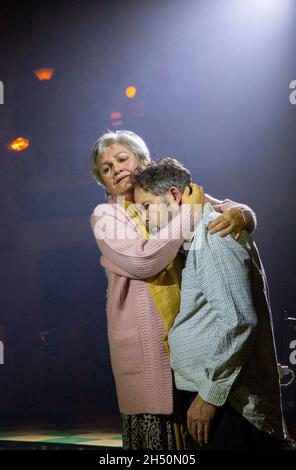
column 213, row 91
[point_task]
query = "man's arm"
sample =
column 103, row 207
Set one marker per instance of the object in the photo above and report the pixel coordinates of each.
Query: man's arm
column 223, row 271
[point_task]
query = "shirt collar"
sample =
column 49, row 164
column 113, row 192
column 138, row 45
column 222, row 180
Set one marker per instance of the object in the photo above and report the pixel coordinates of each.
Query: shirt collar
column 207, row 209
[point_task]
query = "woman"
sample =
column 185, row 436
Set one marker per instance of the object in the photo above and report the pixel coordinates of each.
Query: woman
column 142, row 286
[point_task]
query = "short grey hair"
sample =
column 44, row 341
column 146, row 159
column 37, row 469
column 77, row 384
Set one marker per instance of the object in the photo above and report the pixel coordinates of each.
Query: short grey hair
column 128, row 139
column 161, row 175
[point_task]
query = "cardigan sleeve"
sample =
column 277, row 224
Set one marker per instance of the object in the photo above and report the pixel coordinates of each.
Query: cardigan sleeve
column 120, row 243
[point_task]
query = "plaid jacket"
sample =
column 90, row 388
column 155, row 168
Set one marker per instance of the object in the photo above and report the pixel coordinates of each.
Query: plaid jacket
column 222, row 343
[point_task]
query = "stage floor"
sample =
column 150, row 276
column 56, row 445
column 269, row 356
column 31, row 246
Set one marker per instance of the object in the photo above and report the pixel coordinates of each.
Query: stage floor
column 48, row 436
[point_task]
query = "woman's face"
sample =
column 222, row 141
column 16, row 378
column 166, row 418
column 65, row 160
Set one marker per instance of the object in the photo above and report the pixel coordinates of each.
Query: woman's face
column 115, row 166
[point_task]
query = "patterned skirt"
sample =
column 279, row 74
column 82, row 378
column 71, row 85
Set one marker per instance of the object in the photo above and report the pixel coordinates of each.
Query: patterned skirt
column 157, row 432
column 146, row 431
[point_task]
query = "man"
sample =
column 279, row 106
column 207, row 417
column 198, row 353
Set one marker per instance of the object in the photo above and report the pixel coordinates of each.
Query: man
column 221, row 344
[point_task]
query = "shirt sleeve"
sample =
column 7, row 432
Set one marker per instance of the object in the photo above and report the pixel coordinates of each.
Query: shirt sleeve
column 223, row 270
column 248, row 214
column 121, row 244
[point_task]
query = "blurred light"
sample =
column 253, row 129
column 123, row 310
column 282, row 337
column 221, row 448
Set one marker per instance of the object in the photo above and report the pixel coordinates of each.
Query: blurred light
column 136, row 108
column 130, row 91
column 116, row 115
column 264, row 4
column 116, row 119
column 44, row 74
column 18, row 144
column 261, row 10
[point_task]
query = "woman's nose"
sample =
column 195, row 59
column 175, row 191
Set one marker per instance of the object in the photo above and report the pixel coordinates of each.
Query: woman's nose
column 117, row 169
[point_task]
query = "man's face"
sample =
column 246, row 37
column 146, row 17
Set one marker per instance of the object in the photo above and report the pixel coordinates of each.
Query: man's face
column 158, row 210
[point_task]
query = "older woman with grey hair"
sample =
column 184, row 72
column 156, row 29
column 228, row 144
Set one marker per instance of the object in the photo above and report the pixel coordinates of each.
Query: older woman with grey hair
column 139, row 358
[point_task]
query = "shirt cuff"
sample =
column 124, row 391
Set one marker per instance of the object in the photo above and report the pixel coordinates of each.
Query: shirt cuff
column 215, row 393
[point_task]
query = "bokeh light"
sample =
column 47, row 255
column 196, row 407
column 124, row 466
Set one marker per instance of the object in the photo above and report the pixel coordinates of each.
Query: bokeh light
column 44, row 73
column 131, row 92
column 18, row 144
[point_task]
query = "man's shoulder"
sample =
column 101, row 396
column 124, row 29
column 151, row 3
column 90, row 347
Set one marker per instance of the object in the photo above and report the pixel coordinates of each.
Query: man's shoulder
column 205, row 242
column 210, row 216
column 228, row 246
column 201, row 231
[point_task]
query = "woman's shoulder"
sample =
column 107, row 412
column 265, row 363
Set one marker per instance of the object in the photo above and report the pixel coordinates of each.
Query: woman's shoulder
column 111, row 208
column 109, row 211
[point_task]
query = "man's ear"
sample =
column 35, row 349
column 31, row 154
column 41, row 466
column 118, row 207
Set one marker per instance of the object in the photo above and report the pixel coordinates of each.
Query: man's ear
column 176, row 194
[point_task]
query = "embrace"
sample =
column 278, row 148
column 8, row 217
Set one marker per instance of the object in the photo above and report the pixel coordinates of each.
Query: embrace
column 189, row 320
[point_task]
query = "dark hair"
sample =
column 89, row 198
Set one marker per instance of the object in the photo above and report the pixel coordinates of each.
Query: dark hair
column 160, row 175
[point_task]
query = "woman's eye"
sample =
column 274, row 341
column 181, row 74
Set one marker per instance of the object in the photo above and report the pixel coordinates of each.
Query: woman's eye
column 105, row 170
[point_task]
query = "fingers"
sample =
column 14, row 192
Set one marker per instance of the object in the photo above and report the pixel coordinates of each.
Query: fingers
column 186, row 191
column 228, row 231
column 206, row 432
column 219, row 224
column 193, row 195
column 197, row 193
column 231, row 222
column 192, row 426
column 189, row 423
column 200, row 434
column 216, row 221
column 225, row 227
column 196, row 429
column 196, row 187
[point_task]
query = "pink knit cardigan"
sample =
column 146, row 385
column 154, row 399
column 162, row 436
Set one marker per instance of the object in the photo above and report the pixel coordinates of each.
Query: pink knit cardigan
column 139, row 360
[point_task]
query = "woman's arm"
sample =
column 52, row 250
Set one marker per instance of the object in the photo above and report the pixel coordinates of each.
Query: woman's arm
column 122, row 246
column 248, row 216
column 119, row 241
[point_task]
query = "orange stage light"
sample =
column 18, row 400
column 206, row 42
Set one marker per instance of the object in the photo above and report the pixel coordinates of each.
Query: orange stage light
column 44, row 74
column 18, row 144
column 130, row 91
column 117, row 123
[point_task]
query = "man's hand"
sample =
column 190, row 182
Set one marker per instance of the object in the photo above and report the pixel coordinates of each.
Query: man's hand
column 200, row 417
column 231, row 222
column 194, row 196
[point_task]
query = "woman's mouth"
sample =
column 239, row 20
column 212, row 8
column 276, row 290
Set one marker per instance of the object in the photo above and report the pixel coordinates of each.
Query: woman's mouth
column 121, row 179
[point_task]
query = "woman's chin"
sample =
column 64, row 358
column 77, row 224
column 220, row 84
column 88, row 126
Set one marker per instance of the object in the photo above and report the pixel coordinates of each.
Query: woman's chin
column 127, row 192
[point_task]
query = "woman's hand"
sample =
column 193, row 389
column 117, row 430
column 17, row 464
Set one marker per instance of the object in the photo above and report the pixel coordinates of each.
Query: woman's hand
column 231, row 222
column 194, row 196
